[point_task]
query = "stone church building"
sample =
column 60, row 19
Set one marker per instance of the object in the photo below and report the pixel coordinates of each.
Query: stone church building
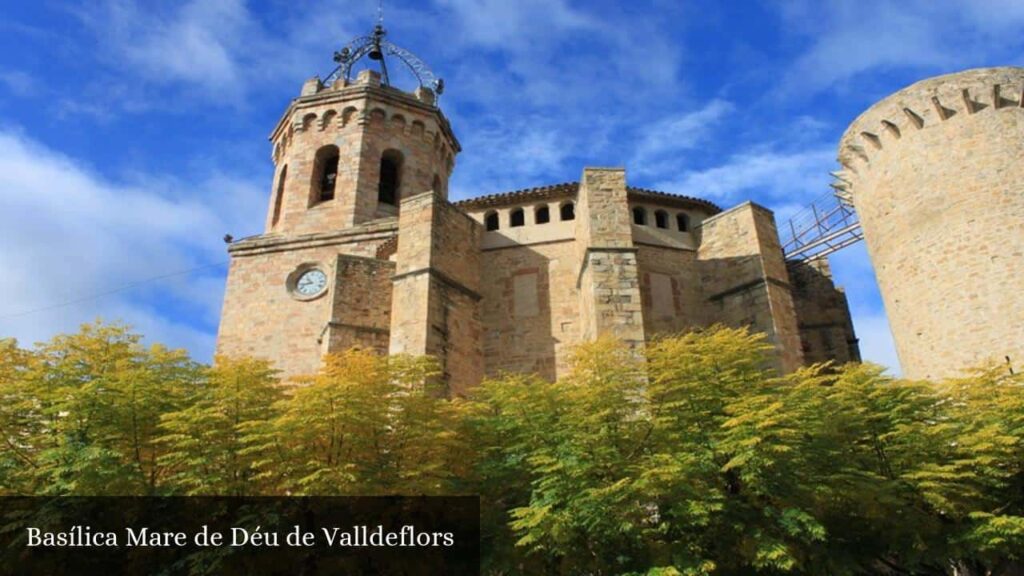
column 362, row 247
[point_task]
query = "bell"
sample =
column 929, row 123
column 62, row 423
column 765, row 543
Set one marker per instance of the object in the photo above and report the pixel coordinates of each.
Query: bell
column 375, row 51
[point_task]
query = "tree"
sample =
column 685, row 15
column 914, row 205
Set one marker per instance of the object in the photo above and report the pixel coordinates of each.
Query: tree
column 988, row 406
column 81, row 411
column 210, row 444
column 19, row 422
column 695, row 458
column 365, row 424
column 690, row 456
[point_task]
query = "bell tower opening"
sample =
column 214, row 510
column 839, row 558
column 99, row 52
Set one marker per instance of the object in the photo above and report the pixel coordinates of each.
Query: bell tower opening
column 390, row 177
column 356, row 144
column 325, row 173
column 349, row 148
column 279, row 196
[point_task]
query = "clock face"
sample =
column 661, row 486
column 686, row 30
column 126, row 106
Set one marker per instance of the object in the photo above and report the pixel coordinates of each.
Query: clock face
column 311, row 282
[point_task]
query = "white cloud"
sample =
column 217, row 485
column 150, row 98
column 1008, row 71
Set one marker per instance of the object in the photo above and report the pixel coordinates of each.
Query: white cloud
column 851, row 37
column 214, row 51
column 768, row 176
column 562, row 87
column 508, row 25
column 665, row 140
column 550, row 54
column 69, row 233
column 100, row 113
column 196, row 44
column 511, row 156
column 17, row 82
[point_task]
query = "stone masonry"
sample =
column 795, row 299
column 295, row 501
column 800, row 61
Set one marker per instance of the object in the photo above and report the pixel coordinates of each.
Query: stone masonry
column 935, row 174
column 499, row 283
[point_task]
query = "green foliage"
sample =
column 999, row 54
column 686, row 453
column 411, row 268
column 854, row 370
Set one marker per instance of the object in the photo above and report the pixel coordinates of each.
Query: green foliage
column 695, row 458
column 209, row 443
column 366, row 425
column 689, row 457
column 80, row 414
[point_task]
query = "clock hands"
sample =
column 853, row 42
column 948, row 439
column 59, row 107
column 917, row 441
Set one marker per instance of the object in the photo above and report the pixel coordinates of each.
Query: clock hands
column 311, row 282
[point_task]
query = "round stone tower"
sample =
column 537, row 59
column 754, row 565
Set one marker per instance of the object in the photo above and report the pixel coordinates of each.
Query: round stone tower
column 936, row 173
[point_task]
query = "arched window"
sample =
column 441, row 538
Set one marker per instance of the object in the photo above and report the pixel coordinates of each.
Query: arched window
column 491, row 221
column 541, row 215
column 661, row 219
column 639, row 216
column 516, row 218
column 279, row 197
column 325, row 173
column 436, row 186
column 682, row 222
column 567, row 211
column 390, row 177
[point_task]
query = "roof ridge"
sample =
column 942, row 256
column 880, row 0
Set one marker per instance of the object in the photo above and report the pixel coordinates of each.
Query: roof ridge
column 486, row 199
column 673, row 195
column 499, row 195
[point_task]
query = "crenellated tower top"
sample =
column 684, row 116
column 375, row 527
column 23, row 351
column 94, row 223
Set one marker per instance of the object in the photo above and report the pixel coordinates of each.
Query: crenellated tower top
column 934, row 172
column 348, row 150
column 923, row 106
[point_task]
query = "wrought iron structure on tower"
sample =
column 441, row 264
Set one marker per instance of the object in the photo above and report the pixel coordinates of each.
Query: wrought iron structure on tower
column 376, row 47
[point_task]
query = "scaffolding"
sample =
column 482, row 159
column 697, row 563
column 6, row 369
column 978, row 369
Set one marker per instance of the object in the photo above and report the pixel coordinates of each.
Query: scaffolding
column 829, row 224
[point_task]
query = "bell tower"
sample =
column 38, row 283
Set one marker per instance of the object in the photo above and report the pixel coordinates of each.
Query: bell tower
column 348, row 150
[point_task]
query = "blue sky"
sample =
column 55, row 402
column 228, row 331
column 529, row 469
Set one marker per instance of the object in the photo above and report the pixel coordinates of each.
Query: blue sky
column 133, row 135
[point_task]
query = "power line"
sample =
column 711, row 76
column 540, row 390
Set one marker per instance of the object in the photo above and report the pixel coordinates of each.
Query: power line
column 123, row 288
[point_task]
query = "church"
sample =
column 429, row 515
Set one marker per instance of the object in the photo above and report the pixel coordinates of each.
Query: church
column 363, row 248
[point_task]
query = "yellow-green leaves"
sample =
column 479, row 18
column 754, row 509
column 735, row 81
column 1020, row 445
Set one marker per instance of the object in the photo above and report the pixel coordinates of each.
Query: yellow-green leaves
column 80, row 414
column 689, row 457
column 695, row 457
column 212, row 445
column 367, row 424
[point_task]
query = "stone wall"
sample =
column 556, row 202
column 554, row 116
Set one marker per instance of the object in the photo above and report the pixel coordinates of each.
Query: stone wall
column 362, row 304
column 530, row 308
column 423, row 277
column 670, row 289
column 609, row 284
column 823, row 314
column 261, row 318
column 436, row 288
column 744, row 280
column 935, row 174
column 362, row 119
column 534, row 307
column 487, row 303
